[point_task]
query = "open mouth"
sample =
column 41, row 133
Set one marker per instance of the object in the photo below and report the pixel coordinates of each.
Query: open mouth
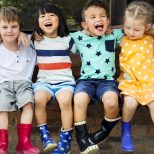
column 99, row 27
column 48, row 25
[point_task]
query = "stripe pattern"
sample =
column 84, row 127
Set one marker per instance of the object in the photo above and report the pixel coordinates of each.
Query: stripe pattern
column 53, row 59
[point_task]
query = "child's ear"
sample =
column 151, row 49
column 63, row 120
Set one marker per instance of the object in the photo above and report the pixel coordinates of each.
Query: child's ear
column 84, row 25
column 147, row 27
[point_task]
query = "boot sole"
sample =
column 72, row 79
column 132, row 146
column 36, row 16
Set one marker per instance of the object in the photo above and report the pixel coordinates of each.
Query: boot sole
column 49, row 148
column 95, row 151
column 91, row 150
column 127, row 150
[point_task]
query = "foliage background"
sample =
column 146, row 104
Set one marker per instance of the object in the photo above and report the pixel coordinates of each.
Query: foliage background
column 70, row 8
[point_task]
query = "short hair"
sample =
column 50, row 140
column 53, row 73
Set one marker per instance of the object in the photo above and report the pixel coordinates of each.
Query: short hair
column 50, row 8
column 140, row 10
column 9, row 14
column 97, row 3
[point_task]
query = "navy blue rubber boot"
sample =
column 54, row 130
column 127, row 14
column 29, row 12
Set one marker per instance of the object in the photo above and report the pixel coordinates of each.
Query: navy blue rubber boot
column 126, row 138
column 106, row 127
column 64, row 145
column 48, row 143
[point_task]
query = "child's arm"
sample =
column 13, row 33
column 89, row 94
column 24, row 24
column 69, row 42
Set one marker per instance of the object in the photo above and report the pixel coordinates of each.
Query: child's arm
column 24, row 39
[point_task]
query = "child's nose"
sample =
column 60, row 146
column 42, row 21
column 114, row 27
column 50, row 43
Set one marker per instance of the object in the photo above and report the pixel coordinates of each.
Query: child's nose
column 131, row 32
column 47, row 17
column 9, row 29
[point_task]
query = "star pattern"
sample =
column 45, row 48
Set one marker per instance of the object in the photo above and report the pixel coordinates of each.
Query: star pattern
column 83, row 72
column 98, row 71
column 99, row 37
column 80, row 38
column 98, row 53
column 88, row 63
column 89, row 46
column 107, row 60
column 112, row 69
column 98, row 63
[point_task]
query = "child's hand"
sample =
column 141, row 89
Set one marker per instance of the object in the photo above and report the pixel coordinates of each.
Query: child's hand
column 38, row 37
column 108, row 31
column 23, row 38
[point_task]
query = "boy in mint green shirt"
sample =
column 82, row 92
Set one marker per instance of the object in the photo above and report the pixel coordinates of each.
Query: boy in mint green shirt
column 97, row 75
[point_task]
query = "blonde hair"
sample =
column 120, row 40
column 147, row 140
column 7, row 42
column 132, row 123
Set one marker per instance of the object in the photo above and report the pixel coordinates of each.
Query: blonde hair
column 140, row 10
column 9, row 14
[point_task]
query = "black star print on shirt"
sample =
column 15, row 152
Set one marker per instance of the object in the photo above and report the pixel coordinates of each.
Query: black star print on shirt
column 88, row 77
column 88, row 63
column 83, row 72
column 112, row 69
column 98, row 53
column 80, row 38
column 99, row 37
column 105, row 77
column 98, row 71
column 89, row 46
column 107, row 60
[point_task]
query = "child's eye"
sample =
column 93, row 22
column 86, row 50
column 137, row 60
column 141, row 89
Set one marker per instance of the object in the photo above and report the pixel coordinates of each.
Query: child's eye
column 103, row 16
column 92, row 17
column 14, row 26
column 52, row 15
column 137, row 30
column 4, row 27
column 42, row 16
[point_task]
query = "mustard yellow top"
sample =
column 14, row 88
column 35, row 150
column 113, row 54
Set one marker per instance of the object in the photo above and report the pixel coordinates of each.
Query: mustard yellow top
column 137, row 69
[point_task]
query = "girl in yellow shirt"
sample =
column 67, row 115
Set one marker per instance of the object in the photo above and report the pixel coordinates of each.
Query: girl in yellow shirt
column 136, row 80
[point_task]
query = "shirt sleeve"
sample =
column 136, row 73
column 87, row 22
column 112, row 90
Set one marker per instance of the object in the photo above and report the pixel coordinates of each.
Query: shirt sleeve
column 119, row 35
column 72, row 46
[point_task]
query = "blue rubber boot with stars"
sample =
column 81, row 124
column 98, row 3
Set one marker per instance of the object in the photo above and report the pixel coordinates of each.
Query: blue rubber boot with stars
column 48, row 143
column 64, row 145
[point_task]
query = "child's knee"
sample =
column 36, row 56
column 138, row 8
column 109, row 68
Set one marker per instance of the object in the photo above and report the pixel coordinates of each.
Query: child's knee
column 110, row 98
column 81, row 101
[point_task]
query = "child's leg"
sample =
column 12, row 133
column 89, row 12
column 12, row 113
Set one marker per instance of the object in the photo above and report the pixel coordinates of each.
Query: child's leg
column 151, row 108
column 3, row 120
column 64, row 98
column 3, row 132
column 111, row 109
column 129, row 108
column 111, row 104
column 24, row 131
column 81, row 101
column 42, row 97
column 26, row 114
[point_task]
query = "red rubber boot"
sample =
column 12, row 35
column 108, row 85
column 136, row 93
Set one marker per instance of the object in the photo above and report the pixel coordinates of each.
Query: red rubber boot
column 24, row 145
column 3, row 141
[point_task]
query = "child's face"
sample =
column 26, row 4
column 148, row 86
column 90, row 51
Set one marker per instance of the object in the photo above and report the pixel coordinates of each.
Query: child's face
column 96, row 21
column 9, row 31
column 134, row 28
column 49, row 23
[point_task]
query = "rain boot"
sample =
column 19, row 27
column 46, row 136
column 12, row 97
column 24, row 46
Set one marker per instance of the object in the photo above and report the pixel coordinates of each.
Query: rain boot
column 48, row 143
column 83, row 139
column 64, row 145
column 106, row 127
column 24, row 145
column 3, row 141
column 126, row 138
